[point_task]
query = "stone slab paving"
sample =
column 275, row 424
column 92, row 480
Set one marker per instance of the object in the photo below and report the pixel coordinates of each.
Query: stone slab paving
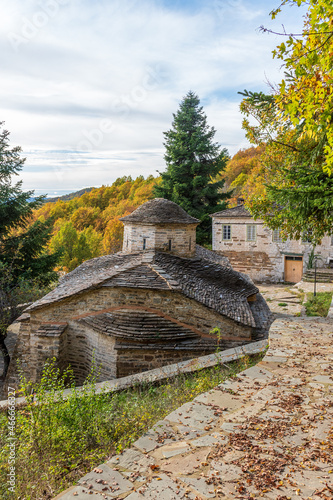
column 285, row 300
column 267, row 433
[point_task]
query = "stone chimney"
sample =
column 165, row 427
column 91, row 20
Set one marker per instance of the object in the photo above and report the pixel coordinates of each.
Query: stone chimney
column 240, row 201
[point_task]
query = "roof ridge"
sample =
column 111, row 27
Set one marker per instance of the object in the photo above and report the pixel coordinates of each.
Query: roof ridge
column 114, row 270
column 164, row 276
column 241, row 211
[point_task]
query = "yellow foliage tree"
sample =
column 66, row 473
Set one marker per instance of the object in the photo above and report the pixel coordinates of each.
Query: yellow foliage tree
column 89, row 226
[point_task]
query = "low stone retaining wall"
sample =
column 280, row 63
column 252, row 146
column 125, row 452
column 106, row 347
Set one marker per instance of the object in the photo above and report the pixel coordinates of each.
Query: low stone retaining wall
column 170, row 371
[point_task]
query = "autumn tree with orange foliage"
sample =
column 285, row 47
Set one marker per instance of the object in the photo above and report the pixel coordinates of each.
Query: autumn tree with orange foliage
column 243, row 173
column 89, row 226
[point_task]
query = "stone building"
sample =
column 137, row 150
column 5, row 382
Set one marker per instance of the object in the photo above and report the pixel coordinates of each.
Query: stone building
column 152, row 304
column 260, row 252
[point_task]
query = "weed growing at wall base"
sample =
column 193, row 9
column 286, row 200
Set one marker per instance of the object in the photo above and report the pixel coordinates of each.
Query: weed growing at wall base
column 61, row 438
column 318, row 305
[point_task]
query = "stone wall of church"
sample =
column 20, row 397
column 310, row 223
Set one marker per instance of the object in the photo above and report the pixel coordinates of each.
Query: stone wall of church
column 33, row 349
column 170, row 303
column 177, row 239
column 85, row 348
column 132, row 361
column 78, row 344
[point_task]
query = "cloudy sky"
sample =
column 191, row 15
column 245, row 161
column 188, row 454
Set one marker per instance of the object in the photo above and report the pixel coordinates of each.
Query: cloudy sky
column 88, row 87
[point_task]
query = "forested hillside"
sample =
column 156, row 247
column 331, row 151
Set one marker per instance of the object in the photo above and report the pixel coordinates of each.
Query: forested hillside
column 244, row 174
column 89, row 226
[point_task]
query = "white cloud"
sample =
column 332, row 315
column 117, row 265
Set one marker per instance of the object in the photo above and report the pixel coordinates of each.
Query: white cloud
column 110, row 73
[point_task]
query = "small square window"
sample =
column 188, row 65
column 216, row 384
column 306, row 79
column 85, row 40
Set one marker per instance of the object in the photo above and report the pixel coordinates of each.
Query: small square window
column 226, row 232
column 276, row 237
column 251, row 232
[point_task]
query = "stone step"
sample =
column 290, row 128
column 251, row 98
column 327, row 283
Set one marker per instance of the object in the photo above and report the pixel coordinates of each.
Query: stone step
column 318, row 280
column 322, row 275
column 326, row 272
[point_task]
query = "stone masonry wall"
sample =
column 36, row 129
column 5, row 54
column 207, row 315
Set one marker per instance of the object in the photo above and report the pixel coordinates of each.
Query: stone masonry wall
column 43, row 347
column 263, row 259
column 78, row 344
column 21, row 352
column 139, row 360
column 32, row 351
column 183, row 238
column 171, row 303
column 86, row 347
column 132, row 361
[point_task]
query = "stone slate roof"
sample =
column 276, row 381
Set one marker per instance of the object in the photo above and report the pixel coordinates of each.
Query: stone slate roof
column 238, row 211
column 51, row 329
column 138, row 326
column 209, row 283
column 220, row 288
column 142, row 276
column 137, row 329
column 160, row 211
column 204, row 253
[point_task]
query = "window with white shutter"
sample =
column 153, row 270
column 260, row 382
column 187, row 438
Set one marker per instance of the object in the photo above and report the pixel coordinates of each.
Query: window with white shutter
column 277, row 236
column 226, row 232
column 251, row 232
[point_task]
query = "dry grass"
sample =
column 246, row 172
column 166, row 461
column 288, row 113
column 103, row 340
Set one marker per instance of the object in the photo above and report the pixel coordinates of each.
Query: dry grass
column 59, row 440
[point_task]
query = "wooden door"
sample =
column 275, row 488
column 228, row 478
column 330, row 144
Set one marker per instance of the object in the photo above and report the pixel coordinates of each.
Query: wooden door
column 293, row 269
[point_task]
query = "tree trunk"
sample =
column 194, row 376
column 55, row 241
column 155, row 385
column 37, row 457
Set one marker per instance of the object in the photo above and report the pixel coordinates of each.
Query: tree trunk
column 6, row 357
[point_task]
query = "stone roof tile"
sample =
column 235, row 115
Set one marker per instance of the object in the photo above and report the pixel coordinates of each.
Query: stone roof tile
column 238, row 211
column 51, row 329
column 160, row 211
column 139, row 326
column 91, row 274
column 204, row 253
column 141, row 276
column 211, row 284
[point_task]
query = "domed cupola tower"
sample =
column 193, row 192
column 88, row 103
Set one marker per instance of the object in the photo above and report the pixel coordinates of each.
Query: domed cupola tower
column 160, row 225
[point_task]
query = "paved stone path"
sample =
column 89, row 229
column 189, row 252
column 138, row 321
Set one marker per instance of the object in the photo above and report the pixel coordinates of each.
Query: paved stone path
column 286, row 300
column 268, row 433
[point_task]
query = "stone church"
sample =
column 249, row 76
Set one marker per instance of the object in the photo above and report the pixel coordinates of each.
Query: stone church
column 154, row 303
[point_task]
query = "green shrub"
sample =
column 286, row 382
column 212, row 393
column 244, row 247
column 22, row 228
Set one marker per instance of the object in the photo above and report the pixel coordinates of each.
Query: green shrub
column 62, row 436
column 318, row 305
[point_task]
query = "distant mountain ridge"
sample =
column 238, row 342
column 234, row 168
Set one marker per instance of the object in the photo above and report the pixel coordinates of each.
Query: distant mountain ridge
column 70, row 196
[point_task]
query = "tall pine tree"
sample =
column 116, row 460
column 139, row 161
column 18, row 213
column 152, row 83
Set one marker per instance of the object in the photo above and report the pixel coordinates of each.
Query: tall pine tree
column 22, row 255
column 21, row 247
column 193, row 162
